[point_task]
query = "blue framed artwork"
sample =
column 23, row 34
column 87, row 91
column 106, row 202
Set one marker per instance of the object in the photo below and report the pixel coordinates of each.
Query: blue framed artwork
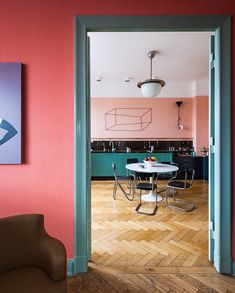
column 10, row 113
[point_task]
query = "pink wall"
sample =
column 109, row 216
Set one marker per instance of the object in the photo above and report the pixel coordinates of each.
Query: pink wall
column 200, row 122
column 40, row 35
column 164, row 117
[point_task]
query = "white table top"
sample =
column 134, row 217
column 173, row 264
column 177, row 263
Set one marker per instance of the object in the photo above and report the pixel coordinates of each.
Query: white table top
column 158, row 168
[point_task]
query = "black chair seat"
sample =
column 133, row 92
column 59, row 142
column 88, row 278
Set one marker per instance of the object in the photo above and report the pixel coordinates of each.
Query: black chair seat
column 146, row 186
column 178, row 184
column 181, row 205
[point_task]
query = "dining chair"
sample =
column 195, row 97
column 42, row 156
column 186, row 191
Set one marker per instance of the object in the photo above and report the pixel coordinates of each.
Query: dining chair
column 168, row 176
column 132, row 160
column 146, row 187
column 185, row 184
column 138, row 175
column 129, row 179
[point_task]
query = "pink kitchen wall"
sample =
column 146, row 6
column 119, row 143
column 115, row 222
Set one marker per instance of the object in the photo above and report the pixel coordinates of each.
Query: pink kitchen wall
column 164, row 118
column 200, row 122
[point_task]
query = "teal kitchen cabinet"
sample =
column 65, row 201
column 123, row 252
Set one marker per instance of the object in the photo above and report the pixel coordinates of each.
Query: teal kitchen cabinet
column 121, row 163
column 101, row 163
column 106, row 164
column 95, row 165
column 164, row 157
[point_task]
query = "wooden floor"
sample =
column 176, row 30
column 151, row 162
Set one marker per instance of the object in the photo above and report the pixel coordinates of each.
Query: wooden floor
column 132, row 252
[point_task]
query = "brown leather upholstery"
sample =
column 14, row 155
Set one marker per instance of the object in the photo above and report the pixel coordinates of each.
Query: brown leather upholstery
column 30, row 260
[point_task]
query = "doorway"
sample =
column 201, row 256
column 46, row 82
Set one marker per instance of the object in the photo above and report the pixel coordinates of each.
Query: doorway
column 221, row 227
column 120, row 236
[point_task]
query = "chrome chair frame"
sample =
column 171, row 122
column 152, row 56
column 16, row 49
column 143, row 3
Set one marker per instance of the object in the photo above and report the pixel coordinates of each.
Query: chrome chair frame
column 146, row 186
column 130, row 184
column 180, row 185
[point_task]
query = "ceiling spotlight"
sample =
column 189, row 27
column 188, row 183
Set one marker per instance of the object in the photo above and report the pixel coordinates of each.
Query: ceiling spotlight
column 151, row 87
column 99, row 78
column 127, row 79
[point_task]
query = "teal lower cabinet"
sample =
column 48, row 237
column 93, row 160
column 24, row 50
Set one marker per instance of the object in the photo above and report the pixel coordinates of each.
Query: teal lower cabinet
column 95, row 164
column 101, row 163
column 121, row 164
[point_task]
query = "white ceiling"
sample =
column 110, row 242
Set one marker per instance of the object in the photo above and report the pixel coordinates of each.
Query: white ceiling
column 182, row 62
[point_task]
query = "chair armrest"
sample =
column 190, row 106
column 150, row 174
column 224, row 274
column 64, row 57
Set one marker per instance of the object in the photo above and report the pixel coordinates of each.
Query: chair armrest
column 51, row 257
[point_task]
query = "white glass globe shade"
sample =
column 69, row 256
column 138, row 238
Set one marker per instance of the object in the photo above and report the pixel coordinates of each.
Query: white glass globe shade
column 151, row 89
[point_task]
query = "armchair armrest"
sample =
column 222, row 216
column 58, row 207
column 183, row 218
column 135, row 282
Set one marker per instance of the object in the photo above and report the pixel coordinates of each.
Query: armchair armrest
column 51, row 257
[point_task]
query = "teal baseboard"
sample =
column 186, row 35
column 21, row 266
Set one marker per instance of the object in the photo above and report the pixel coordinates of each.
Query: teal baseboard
column 70, row 267
column 77, row 265
column 223, row 265
column 233, row 268
column 80, row 264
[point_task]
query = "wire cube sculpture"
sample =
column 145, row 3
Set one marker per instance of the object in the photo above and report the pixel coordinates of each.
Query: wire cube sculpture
column 128, row 119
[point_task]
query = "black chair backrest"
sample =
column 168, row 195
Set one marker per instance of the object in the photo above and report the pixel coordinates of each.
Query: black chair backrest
column 167, row 174
column 170, row 163
column 131, row 160
column 143, row 176
column 188, row 176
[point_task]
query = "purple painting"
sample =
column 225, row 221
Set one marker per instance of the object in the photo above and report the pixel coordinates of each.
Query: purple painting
column 10, row 113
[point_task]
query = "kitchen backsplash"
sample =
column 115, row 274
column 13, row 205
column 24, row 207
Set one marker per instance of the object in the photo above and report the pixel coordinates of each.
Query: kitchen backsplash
column 146, row 145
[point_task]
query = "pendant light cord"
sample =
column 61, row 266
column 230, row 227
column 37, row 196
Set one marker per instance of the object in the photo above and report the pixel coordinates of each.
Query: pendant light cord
column 151, row 67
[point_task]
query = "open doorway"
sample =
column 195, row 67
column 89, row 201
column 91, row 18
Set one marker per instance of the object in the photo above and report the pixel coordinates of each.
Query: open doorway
column 222, row 221
column 120, row 236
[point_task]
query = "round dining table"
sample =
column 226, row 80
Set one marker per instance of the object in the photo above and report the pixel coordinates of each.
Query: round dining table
column 153, row 170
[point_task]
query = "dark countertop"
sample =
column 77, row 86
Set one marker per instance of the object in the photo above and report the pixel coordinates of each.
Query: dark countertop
column 137, row 151
column 133, row 151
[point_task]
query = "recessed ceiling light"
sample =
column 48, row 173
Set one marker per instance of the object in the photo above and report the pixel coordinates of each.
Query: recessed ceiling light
column 99, row 78
column 127, row 79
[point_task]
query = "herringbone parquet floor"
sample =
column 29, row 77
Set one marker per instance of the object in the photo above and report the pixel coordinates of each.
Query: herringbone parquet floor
column 133, row 252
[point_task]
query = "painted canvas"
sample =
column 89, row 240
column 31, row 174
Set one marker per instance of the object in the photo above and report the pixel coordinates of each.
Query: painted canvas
column 10, row 113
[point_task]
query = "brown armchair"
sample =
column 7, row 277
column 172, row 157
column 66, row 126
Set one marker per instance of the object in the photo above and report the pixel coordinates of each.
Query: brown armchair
column 30, row 260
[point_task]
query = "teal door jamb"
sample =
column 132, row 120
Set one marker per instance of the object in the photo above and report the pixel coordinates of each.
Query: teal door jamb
column 222, row 161
column 89, row 156
column 211, row 201
column 218, row 23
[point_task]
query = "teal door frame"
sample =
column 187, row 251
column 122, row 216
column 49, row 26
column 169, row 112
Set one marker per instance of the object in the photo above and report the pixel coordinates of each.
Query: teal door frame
column 211, row 201
column 221, row 24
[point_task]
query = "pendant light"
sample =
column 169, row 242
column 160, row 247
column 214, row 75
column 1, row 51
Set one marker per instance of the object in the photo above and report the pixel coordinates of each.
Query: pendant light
column 151, row 87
